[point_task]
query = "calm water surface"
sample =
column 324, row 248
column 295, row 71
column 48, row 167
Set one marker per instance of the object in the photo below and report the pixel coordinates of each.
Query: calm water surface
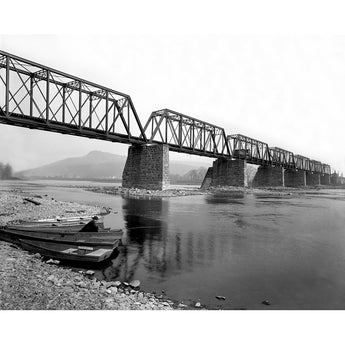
column 289, row 250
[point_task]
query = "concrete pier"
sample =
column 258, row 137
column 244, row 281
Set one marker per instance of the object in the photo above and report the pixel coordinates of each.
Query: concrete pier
column 295, row 178
column 325, row 179
column 227, row 172
column 335, row 179
column 147, row 167
column 268, row 176
column 313, row 179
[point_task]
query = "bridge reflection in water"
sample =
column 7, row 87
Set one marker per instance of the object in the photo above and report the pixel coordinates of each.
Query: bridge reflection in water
column 155, row 248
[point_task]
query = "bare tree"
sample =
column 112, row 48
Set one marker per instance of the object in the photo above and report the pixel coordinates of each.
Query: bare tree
column 6, row 171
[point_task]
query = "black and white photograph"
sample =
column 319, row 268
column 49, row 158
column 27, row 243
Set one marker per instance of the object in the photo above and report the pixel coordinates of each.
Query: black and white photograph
column 174, row 175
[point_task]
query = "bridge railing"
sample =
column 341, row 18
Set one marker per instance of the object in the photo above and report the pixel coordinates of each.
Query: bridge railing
column 281, row 157
column 302, row 163
column 254, row 151
column 325, row 169
column 33, row 95
column 315, row 166
column 186, row 134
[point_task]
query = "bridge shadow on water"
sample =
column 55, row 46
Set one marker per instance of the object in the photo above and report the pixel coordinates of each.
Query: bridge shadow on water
column 143, row 241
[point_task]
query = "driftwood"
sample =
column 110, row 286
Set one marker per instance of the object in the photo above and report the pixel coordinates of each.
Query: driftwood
column 33, row 201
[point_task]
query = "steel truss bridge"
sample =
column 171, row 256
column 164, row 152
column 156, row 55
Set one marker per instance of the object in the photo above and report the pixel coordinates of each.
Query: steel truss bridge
column 39, row 97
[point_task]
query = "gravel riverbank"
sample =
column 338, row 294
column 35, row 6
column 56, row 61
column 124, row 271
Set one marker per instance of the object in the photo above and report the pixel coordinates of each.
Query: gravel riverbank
column 29, row 282
column 173, row 192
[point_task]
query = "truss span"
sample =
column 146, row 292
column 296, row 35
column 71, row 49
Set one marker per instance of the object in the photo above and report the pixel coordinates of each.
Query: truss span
column 252, row 150
column 40, row 97
column 186, row 134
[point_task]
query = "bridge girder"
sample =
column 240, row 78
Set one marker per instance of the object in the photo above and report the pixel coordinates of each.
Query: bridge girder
column 36, row 95
column 254, row 151
column 186, row 134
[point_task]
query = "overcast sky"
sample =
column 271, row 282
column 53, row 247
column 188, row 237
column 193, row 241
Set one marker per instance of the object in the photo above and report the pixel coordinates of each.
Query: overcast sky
column 284, row 90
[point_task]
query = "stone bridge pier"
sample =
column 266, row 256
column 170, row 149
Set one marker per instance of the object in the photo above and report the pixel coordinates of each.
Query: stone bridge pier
column 226, row 172
column 325, row 179
column 295, row 178
column 269, row 176
column 147, row 167
column 313, row 178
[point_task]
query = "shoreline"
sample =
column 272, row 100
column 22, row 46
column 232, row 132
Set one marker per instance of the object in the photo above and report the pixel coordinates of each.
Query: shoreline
column 27, row 282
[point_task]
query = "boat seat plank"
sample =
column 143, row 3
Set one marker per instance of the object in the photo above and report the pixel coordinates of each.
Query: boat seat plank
column 69, row 250
column 98, row 252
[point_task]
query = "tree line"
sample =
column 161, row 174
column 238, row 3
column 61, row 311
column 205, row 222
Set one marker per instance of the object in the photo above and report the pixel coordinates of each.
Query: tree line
column 6, row 171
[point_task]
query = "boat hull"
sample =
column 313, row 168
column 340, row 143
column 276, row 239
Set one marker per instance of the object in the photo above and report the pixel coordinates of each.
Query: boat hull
column 58, row 228
column 57, row 224
column 99, row 239
column 73, row 253
column 66, row 219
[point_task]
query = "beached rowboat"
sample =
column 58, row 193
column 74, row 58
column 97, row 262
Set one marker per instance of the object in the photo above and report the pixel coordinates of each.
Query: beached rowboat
column 60, row 228
column 36, row 224
column 67, row 219
column 99, row 239
column 67, row 252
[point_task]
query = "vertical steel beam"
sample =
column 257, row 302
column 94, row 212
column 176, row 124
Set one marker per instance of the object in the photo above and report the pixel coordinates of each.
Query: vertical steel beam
column 80, row 105
column 7, row 92
column 214, row 140
column 90, row 112
column 47, row 97
column 114, row 119
column 166, row 127
column 31, row 94
column 192, row 135
column 64, row 104
column 129, row 123
column 180, row 132
column 106, row 111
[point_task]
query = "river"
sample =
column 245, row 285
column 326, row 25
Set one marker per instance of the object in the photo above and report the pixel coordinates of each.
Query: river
column 289, row 250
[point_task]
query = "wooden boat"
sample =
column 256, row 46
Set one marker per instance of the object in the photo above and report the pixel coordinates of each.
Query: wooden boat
column 62, row 223
column 59, row 228
column 67, row 252
column 99, row 239
column 58, row 224
column 67, row 219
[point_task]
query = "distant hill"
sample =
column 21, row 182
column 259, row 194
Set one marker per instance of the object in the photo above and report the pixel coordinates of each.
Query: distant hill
column 98, row 165
column 193, row 176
